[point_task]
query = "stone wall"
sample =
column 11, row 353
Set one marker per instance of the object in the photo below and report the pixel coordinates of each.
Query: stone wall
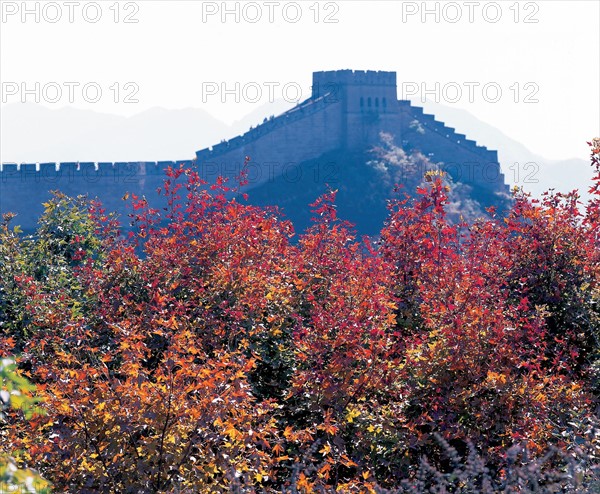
column 347, row 111
column 23, row 188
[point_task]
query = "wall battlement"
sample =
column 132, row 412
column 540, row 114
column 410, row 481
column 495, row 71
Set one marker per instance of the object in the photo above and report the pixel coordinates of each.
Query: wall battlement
column 304, row 109
column 334, row 80
column 41, row 171
column 348, row 109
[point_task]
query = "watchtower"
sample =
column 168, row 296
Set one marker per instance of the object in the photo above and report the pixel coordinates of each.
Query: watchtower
column 367, row 98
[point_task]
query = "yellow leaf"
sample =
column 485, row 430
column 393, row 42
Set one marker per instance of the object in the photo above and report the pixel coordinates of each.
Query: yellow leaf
column 351, row 415
column 325, row 450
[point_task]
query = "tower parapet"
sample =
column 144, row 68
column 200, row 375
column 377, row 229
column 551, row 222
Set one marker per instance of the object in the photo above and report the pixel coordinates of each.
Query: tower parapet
column 330, row 81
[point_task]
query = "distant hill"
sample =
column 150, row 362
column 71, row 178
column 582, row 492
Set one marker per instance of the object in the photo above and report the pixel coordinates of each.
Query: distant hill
column 562, row 175
column 33, row 133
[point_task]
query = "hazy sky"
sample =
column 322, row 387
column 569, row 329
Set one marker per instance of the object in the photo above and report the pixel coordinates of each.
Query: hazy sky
column 538, row 82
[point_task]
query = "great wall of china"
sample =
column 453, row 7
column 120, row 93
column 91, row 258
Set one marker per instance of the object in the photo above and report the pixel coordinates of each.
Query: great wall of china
column 346, row 111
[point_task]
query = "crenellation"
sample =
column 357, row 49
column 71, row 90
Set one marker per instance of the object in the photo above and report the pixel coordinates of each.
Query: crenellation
column 48, row 169
column 219, row 147
column 9, row 170
column 327, row 80
column 28, row 169
column 303, row 110
column 108, row 168
column 69, row 165
column 87, row 167
column 348, row 109
column 67, row 171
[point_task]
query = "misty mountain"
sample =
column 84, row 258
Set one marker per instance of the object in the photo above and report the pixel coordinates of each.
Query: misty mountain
column 521, row 167
column 33, row 133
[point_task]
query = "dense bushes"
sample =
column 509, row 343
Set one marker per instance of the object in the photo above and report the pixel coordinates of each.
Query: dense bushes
column 210, row 351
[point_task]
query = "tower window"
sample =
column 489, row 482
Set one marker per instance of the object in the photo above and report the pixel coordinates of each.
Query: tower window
column 384, row 102
column 376, row 102
column 362, row 102
column 369, row 102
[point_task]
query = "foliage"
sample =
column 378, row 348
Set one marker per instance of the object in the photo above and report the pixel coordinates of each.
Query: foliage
column 212, row 351
column 15, row 393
